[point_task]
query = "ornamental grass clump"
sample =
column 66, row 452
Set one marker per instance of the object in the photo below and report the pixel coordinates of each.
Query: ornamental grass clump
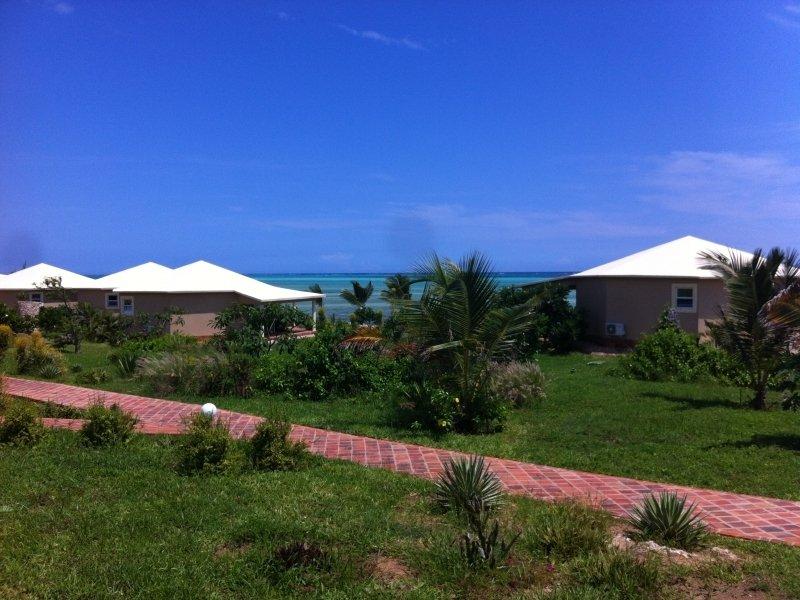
column 519, row 383
column 270, row 448
column 6, row 339
column 20, row 424
column 569, row 529
column 467, row 485
column 617, row 574
column 203, row 447
column 668, row 520
column 107, row 426
column 35, row 356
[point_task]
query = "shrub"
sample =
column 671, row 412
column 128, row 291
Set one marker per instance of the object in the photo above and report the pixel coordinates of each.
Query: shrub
column 668, row 520
column 520, row 383
column 203, row 447
column 12, row 317
column 21, row 424
column 250, row 326
column 675, row 355
column 467, row 485
column 423, row 405
column 482, row 545
column 107, row 426
column 33, row 353
column 618, row 574
column 92, row 376
column 6, row 339
column 270, row 449
column 569, row 529
column 125, row 357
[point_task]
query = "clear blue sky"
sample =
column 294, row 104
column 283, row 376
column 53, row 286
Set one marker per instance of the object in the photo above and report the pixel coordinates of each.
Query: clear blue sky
column 282, row 137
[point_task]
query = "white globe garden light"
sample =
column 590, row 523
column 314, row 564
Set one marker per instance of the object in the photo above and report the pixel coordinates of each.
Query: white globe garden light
column 208, row 409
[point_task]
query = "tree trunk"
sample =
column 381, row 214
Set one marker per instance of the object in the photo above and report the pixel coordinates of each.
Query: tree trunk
column 759, row 401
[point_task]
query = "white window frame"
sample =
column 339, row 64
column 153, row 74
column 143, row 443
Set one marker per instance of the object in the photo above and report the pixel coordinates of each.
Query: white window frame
column 684, row 286
column 122, row 310
column 39, row 294
column 116, row 306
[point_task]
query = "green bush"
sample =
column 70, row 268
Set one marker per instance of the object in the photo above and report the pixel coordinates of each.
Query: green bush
column 569, row 529
column 20, row 424
column 107, row 426
column 520, row 383
column 422, row 405
column 250, row 326
column 319, row 367
column 18, row 323
column 92, row 376
column 619, row 574
column 6, row 339
column 35, row 356
column 468, row 486
column 671, row 354
column 668, row 520
column 270, row 448
column 203, row 447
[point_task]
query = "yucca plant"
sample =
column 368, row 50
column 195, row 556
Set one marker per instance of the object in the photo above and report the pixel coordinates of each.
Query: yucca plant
column 467, row 485
column 482, row 546
column 667, row 519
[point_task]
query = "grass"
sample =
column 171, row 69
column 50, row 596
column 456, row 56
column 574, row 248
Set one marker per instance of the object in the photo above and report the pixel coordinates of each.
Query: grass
column 121, row 523
column 694, row 434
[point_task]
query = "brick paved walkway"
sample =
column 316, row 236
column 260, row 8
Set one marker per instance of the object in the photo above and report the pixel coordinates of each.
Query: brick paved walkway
column 739, row 515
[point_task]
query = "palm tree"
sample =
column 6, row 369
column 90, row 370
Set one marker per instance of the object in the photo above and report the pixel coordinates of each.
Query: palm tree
column 316, row 288
column 359, row 295
column 762, row 315
column 459, row 319
column 398, row 287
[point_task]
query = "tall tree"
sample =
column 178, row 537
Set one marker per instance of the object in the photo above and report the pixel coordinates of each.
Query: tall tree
column 359, row 295
column 762, row 314
column 398, row 287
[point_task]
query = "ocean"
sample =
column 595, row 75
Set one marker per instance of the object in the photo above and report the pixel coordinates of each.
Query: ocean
column 333, row 283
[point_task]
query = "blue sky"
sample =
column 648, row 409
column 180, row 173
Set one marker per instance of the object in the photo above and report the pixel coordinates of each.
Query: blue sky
column 280, row 137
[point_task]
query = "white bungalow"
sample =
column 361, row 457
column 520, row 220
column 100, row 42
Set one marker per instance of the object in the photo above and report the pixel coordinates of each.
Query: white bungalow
column 623, row 299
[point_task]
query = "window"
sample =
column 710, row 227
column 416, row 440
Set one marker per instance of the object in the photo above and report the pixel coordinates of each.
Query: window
column 127, row 306
column 112, row 300
column 684, row 297
column 36, row 297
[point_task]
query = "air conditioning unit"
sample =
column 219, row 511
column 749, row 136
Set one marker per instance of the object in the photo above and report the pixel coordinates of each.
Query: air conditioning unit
column 615, row 329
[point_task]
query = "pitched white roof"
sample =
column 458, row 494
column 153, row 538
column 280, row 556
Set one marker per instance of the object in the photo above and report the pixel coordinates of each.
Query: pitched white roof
column 679, row 258
column 28, row 279
column 197, row 277
column 147, row 277
column 202, row 276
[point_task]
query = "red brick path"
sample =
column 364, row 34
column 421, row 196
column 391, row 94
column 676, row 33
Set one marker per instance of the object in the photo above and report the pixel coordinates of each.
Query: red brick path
column 739, row 515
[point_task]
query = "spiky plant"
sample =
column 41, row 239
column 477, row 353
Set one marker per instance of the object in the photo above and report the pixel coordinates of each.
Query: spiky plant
column 482, row 545
column 667, row 519
column 467, row 485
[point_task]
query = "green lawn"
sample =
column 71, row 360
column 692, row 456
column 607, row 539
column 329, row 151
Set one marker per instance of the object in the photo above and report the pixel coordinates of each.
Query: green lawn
column 694, row 434
column 120, row 523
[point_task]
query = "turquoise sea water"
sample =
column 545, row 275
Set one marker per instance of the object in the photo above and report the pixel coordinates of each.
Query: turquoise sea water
column 333, row 283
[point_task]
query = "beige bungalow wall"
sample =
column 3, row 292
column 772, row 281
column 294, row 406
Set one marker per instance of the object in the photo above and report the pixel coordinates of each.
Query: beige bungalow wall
column 198, row 309
column 637, row 302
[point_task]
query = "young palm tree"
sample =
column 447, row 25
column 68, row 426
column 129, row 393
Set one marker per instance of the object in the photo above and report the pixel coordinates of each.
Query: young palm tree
column 316, row 288
column 458, row 318
column 359, row 295
column 398, row 287
column 763, row 312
